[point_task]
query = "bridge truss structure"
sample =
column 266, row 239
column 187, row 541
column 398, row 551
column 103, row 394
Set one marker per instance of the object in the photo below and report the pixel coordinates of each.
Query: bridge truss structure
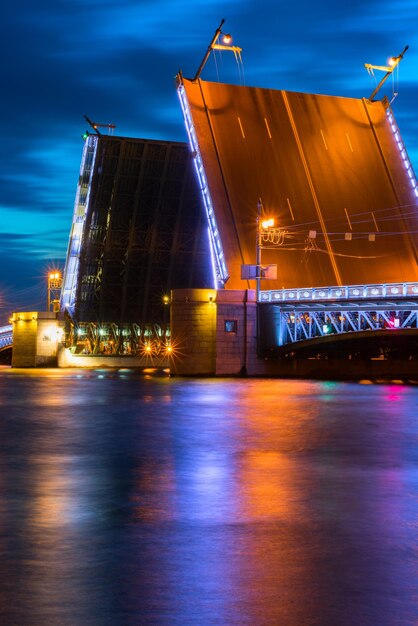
column 138, row 231
column 89, row 338
column 6, row 336
column 302, row 315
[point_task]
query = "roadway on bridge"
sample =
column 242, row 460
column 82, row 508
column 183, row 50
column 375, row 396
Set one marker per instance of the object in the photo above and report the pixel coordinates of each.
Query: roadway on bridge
column 330, row 170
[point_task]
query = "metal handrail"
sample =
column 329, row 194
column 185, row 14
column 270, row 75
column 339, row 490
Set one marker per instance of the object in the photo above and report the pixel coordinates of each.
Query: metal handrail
column 347, row 292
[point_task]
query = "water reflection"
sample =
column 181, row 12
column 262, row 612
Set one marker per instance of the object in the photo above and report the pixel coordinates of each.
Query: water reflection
column 131, row 500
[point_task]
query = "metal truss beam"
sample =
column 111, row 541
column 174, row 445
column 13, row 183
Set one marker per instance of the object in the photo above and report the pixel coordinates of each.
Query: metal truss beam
column 301, row 324
column 119, row 339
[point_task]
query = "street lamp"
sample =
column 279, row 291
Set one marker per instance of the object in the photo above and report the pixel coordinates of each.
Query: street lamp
column 267, row 236
column 392, row 63
column 54, row 290
column 214, row 45
column 263, row 228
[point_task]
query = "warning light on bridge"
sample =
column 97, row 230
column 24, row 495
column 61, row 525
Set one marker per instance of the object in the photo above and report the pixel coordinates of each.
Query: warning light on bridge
column 394, row 322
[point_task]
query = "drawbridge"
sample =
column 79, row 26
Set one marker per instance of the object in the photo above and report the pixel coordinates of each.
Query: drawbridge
column 335, row 175
column 329, row 175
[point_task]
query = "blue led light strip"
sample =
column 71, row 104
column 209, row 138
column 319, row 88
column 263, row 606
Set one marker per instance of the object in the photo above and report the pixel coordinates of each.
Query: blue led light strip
column 218, row 258
column 402, row 150
column 81, row 205
column 349, row 292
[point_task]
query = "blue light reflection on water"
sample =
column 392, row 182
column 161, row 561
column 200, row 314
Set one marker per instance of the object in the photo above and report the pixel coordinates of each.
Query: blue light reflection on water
column 132, row 500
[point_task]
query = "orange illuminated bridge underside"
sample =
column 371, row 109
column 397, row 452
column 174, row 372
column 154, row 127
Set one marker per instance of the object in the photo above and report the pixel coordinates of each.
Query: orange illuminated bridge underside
column 331, row 172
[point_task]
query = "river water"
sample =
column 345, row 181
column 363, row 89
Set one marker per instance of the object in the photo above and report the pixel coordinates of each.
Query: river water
column 132, row 499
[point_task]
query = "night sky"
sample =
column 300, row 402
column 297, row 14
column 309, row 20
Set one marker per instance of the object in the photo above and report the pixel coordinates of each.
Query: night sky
column 116, row 61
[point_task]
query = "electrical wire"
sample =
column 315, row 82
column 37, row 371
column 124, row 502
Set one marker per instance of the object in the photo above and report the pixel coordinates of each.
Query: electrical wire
column 240, row 65
column 339, row 220
column 216, row 63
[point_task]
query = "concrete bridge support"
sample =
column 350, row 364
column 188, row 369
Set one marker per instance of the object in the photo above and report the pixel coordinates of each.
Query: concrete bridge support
column 214, row 333
column 36, row 336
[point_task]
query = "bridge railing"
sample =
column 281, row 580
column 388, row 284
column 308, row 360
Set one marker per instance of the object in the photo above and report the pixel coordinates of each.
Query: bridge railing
column 6, row 336
column 348, row 292
column 296, row 325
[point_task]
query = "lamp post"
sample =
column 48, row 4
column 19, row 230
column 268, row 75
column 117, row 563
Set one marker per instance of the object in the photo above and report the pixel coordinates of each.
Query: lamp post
column 214, row 45
column 54, row 290
column 263, row 227
column 258, row 251
column 392, row 63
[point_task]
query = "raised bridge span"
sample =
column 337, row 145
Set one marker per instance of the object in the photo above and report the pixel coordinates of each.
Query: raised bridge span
column 335, row 175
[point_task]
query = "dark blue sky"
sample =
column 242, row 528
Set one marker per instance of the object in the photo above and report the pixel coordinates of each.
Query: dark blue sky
column 116, row 60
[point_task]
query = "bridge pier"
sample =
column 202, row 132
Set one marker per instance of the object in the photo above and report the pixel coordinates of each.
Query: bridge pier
column 36, row 337
column 214, row 333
